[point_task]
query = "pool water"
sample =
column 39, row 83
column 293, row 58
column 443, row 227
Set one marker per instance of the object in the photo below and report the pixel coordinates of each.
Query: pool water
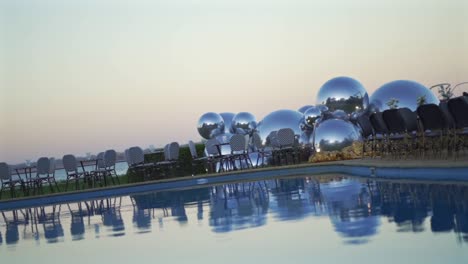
column 328, row 219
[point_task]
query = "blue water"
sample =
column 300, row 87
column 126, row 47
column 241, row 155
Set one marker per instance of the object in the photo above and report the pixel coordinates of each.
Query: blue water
column 327, row 219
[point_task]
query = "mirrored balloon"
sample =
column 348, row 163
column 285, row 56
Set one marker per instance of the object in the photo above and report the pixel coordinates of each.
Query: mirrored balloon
column 304, row 108
column 227, row 117
column 280, row 119
column 343, row 93
column 334, row 135
column 210, row 125
column 311, row 116
column 401, row 93
column 244, row 123
column 340, row 114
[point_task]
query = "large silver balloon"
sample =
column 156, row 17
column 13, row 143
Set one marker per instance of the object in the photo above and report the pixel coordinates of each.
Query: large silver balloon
column 280, row 119
column 244, row 123
column 334, row 135
column 227, row 117
column 401, row 93
column 304, row 108
column 210, row 125
column 311, row 115
column 343, row 93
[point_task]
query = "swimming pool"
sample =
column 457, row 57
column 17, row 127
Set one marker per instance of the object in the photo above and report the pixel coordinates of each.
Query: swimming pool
column 326, row 218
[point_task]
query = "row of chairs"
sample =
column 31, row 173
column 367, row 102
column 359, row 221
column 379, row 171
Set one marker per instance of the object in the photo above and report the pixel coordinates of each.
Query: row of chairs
column 45, row 173
column 104, row 167
column 281, row 148
column 135, row 158
column 435, row 129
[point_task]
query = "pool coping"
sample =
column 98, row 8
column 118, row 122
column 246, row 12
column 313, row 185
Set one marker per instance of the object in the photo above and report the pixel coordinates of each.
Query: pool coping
column 457, row 173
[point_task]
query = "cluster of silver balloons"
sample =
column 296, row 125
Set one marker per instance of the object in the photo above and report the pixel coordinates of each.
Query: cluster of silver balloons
column 330, row 124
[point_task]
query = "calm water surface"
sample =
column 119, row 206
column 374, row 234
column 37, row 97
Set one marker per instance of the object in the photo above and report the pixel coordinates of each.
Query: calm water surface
column 328, row 219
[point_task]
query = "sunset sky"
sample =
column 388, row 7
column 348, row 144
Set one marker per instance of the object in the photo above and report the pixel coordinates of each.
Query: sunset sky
column 89, row 75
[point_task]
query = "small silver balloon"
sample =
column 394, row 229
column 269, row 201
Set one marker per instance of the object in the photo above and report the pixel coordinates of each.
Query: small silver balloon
column 311, row 116
column 244, row 123
column 323, row 108
column 340, row 114
column 334, row 135
column 343, row 93
column 401, row 93
column 304, row 108
column 210, row 125
column 227, row 117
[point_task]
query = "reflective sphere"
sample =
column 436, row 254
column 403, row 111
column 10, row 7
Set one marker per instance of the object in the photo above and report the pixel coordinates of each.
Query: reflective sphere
column 304, row 139
column 343, row 93
column 227, row 117
column 334, row 135
column 311, row 116
column 401, row 93
column 244, row 123
column 340, row 114
column 304, row 108
column 280, row 119
column 323, row 108
column 210, row 125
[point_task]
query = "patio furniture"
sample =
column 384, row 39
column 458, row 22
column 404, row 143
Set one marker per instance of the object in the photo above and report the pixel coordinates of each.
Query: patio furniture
column 45, row 173
column 380, row 133
column 434, row 132
column 110, row 158
column 7, row 180
column 239, row 146
column 259, row 148
column 71, row 169
column 195, row 158
column 136, row 162
column 367, row 134
column 286, row 141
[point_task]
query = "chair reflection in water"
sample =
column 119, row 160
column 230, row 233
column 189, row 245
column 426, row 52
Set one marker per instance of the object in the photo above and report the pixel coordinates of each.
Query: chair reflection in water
column 53, row 229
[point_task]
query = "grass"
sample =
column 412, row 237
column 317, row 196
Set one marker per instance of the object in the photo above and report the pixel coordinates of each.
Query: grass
column 45, row 190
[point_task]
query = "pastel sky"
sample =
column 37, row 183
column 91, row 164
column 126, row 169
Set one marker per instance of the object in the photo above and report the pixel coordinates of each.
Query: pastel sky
column 89, row 75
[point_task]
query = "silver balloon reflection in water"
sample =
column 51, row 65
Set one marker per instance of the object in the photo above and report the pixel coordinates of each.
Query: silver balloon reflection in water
column 401, row 93
column 280, row 119
column 304, row 108
column 210, row 125
column 244, row 123
column 334, row 135
column 344, row 199
column 343, row 93
column 311, row 116
column 227, row 117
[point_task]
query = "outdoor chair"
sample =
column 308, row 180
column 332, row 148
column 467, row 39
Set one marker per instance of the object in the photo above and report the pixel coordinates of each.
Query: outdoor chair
column 214, row 155
column 367, row 134
column 380, row 133
column 195, row 159
column 110, row 158
column 136, row 162
column 272, row 141
column 434, row 130
column 71, row 169
column 287, row 148
column 458, row 108
column 259, row 148
column 239, row 152
column 100, row 172
column 7, row 181
column 402, row 125
column 171, row 156
column 44, row 173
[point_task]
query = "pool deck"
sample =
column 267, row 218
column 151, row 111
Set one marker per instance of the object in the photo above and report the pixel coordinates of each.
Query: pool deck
column 441, row 171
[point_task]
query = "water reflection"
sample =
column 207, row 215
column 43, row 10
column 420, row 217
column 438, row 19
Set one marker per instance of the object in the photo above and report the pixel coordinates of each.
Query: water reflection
column 355, row 208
